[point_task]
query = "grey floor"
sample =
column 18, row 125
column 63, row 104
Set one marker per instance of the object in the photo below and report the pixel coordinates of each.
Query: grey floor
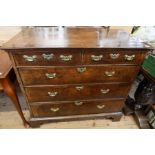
column 6, row 104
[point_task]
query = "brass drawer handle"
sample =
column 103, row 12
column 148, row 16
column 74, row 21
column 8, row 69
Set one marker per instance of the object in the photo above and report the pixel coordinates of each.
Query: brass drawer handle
column 78, row 103
column 52, row 94
column 30, row 58
column 100, row 106
column 81, row 69
column 96, row 57
column 79, row 88
column 114, row 56
column 109, row 73
column 51, row 75
column 48, row 56
column 66, row 57
column 129, row 57
column 55, row 109
column 105, row 91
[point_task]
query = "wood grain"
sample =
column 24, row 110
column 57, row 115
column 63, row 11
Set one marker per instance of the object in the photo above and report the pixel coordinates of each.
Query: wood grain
column 71, row 92
column 37, row 76
column 70, row 75
column 70, row 108
column 76, row 37
column 54, row 61
column 108, row 57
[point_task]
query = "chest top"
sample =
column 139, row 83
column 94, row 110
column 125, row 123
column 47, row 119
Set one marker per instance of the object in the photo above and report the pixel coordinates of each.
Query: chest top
column 72, row 37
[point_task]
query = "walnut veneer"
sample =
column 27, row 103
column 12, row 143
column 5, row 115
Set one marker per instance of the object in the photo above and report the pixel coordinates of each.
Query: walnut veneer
column 75, row 73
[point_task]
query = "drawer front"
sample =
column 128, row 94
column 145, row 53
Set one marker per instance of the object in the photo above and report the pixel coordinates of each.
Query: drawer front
column 76, row 108
column 112, row 56
column 77, row 75
column 55, row 57
column 76, row 92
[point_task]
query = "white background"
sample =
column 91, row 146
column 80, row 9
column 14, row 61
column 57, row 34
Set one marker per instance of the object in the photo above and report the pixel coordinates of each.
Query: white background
column 77, row 13
column 76, row 142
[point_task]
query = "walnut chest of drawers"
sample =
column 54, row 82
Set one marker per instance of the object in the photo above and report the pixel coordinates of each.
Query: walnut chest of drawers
column 75, row 73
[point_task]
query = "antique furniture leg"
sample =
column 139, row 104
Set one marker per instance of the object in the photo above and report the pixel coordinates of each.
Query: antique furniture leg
column 9, row 89
column 34, row 124
column 116, row 118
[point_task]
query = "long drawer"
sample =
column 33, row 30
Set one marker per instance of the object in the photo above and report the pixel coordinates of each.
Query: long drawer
column 113, row 56
column 76, row 75
column 76, row 108
column 48, row 57
column 76, row 92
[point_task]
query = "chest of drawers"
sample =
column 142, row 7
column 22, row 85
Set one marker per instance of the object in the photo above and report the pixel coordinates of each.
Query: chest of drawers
column 74, row 74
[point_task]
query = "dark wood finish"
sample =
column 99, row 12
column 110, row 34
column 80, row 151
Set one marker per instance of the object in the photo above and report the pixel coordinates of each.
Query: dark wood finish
column 108, row 56
column 8, row 85
column 37, row 121
column 37, row 76
column 19, row 81
column 1, row 88
column 77, row 92
column 70, row 108
column 76, row 37
column 55, row 59
column 77, row 55
column 70, row 75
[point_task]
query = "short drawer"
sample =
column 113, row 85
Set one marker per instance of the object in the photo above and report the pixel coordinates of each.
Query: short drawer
column 76, row 92
column 113, row 56
column 77, row 75
column 51, row 57
column 76, row 108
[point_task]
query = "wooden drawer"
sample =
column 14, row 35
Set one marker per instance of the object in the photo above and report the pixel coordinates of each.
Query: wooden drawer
column 112, row 56
column 51, row 57
column 76, row 92
column 77, row 75
column 76, row 108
